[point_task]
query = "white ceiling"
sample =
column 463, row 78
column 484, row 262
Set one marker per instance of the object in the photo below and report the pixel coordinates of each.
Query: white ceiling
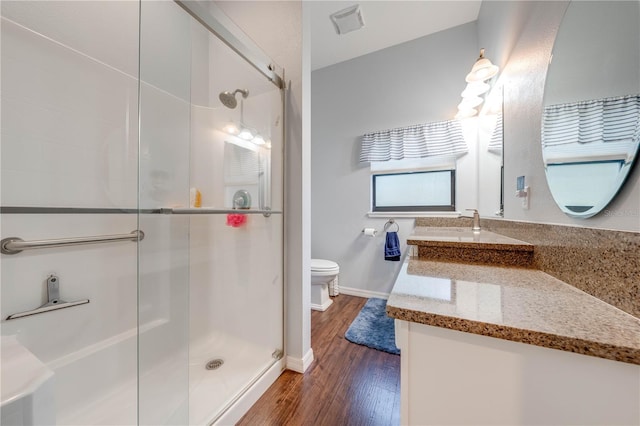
column 387, row 23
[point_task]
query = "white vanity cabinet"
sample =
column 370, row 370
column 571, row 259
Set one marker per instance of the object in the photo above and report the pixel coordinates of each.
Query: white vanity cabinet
column 492, row 345
column 450, row 377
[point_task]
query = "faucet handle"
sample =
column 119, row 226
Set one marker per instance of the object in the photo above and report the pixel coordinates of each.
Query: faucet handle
column 476, row 219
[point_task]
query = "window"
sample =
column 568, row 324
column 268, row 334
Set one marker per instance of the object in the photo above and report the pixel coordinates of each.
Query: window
column 414, row 191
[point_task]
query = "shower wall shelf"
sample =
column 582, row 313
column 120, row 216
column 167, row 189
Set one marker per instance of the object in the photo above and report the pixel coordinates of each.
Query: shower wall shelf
column 205, row 210
column 14, row 245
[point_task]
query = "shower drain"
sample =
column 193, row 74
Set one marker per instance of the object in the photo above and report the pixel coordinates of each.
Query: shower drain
column 214, row 364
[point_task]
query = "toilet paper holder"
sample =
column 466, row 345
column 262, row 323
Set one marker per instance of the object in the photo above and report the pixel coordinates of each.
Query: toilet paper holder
column 372, row 232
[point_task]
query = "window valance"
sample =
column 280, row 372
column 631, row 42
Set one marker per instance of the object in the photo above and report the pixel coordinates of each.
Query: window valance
column 610, row 127
column 442, row 138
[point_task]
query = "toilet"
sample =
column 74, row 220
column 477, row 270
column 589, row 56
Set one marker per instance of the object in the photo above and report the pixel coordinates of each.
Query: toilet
column 323, row 272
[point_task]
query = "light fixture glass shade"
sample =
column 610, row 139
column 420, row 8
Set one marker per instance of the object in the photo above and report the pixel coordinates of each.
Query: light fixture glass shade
column 231, row 128
column 258, row 140
column 482, row 70
column 475, row 89
column 468, row 103
column 466, row 113
column 245, row 134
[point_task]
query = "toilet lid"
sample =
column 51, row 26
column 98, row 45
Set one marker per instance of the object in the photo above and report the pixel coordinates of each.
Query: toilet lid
column 322, row 264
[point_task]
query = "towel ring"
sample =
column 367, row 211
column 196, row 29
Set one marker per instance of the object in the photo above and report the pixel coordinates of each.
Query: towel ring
column 390, row 223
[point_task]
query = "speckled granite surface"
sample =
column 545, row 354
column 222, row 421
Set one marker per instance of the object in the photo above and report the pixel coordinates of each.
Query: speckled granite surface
column 464, row 237
column 521, row 305
column 465, row 246
column 605, row 264
column 479, row 256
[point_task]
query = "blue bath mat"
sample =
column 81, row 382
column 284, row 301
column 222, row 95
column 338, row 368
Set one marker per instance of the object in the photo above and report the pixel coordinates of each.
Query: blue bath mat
column 373, row 328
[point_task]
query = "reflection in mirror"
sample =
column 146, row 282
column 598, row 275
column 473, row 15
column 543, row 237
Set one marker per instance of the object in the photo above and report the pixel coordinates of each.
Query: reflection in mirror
column 246, row 171
column 591, row 120
column 491, row 154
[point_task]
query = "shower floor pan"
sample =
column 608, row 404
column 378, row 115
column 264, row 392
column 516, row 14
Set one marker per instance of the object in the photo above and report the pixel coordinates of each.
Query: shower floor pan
column 99, row 384
column 211, row 392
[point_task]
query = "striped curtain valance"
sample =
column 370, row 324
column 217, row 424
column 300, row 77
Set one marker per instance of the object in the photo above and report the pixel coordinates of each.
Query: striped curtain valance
column 442, row 138
column 606, row 120
column 495, row 144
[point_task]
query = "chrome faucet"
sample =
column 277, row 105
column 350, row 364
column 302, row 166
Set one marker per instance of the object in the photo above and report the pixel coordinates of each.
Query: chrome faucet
column 476, row 220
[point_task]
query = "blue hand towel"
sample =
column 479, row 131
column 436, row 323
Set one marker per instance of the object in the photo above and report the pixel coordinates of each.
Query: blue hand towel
column 392, row 247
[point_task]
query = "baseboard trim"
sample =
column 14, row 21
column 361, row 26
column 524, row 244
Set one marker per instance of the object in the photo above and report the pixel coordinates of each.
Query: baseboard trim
column 300, row 365
column 242, row 405
column 363, row 293
column 323, row 307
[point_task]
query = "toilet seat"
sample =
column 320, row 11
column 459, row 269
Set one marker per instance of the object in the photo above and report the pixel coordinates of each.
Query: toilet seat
column 323, row 266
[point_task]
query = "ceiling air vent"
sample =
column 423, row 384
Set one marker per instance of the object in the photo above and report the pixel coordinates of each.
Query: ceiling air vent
column 347, row 20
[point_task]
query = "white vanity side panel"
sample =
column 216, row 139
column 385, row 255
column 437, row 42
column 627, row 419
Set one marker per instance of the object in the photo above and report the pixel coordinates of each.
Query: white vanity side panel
column 455, row 378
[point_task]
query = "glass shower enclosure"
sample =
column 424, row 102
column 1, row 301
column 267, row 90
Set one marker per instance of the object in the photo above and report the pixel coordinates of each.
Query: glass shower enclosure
column 141, row 213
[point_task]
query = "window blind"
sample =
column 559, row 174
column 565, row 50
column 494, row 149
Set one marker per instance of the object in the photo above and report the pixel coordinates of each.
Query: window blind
column 241, row 165
column 442, row 138
column 610, row 127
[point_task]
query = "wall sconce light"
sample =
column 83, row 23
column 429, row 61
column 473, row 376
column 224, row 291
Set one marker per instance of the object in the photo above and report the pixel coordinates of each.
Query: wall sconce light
column 466, row 113
column 241, row 130
column 482, row 70
column 231, row 128
column 471, row 102
column 476, row 88
column 246, row 134
column 258, row 140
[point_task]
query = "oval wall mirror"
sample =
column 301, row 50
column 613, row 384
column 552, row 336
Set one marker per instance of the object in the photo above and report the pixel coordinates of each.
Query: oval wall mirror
column 591, row 118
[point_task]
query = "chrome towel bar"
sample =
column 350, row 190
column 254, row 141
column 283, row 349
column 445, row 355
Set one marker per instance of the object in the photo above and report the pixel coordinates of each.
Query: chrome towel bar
column 14, row 245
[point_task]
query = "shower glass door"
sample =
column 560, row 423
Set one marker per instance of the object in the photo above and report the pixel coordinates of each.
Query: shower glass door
column 211, row 266
column 69, row 171
column 114, row 113
column 163, row 256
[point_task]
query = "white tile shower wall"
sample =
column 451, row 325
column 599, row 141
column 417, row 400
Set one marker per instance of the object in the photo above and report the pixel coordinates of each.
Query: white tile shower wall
column 104, row 30
column 71, row 340
column 236, row 278
column 69, row 126
column 164, row 149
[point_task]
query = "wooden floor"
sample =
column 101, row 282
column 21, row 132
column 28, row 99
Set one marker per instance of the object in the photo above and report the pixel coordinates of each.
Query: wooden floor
column 347, row 384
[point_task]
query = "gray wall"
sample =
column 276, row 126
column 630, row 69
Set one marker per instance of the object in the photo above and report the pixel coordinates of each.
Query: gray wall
column 524, row 33
column 415, row 82
column 420, row 81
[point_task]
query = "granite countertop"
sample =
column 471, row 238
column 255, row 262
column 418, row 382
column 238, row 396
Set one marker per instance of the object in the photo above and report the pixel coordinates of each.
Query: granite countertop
column 465, row 238
column 517, row 304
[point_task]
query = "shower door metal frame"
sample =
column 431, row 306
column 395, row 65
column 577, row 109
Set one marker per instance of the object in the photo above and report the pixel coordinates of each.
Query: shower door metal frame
column 213, row 19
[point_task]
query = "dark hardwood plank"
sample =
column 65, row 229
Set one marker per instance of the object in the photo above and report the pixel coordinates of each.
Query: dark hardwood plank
column 347, row 384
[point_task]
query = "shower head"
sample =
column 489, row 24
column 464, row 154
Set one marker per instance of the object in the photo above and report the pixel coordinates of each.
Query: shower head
column 228, row 99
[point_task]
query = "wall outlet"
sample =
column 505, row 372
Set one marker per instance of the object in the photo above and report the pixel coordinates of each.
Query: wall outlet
column 525, row 199
column 522, row 191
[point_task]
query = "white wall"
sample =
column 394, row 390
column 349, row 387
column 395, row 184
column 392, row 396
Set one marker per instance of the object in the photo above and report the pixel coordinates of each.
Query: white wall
column 415, row 82
column 525, row 32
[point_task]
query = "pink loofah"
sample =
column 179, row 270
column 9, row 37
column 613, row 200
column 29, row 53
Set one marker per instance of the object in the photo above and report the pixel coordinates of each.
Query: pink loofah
column 236, row 220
